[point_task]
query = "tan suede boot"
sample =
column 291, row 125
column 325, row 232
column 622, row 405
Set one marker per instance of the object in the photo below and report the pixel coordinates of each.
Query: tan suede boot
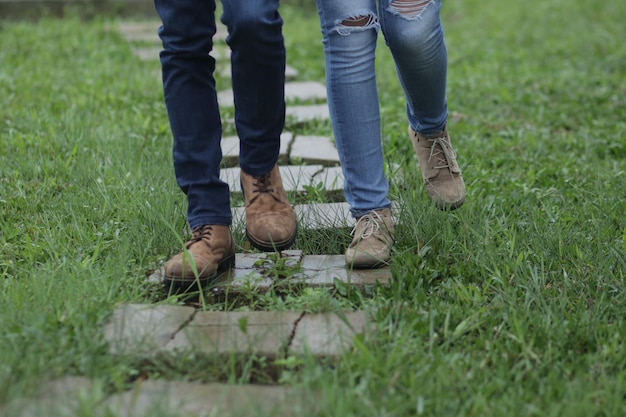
column 372, row 242
column 440, row 170
column 270, row 219
column 210, row 251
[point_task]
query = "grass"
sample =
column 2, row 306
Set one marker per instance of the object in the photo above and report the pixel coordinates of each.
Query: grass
column 513, row 305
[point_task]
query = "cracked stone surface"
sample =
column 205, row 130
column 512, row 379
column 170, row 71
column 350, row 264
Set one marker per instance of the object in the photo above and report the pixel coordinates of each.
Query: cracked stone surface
column 143, row 329
column 146, row 330
column 265, row 333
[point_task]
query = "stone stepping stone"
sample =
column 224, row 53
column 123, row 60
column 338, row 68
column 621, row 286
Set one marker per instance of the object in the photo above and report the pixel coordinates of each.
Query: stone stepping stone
column 295, row 177
column 316, row 271
column 68, row 396
column 319, row 216
column 257, row 272
column 307, row 113
column 146, row 31
column 140, row 31
column 305, row 91
column 324, row 216
column 290, row 72
column 230, row 150
column 331, row 180
column 271, row 333
column 298, row 115
column 313, row 216
column 151, row 53
column 135, row 329
column 58, row 397
column 294, row 92
column 314, row 150
column 164, row 398
column 128, row 329
column 147, row 53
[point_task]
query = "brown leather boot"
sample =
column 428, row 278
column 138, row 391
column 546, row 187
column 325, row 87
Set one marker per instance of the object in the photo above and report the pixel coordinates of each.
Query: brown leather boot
column 210, row 251
column 440, row 170
column 270, row 219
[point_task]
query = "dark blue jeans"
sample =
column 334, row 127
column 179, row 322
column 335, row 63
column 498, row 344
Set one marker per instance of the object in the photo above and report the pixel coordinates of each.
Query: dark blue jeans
column 258, row 77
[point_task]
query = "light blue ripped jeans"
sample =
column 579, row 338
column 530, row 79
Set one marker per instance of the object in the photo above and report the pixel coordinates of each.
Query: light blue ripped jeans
column 414, row 34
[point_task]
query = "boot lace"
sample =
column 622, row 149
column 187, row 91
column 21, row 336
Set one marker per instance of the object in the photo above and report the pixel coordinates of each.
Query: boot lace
column 262, row 184
column 441, row 150
column 368, row 225
column 199, row 234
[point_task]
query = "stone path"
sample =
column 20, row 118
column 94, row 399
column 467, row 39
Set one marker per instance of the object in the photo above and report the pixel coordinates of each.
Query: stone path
column 66, row 398
column 147, row 331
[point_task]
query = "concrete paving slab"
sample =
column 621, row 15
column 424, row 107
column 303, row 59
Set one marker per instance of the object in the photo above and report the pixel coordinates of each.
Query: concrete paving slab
column 251, row 274
column 163, row 398
column 323, row 270
column 74, row 397
column 331, row 180
column 328, row 334
column 269, row 333
column 307, row 113
column 140, row 31
column 55, row 398
column 147, row 53
column 305, row 91
column 294, row 177
column 297, row 177
column 324, row 216
column 151, row 53
column 142, row 329
column 256, row 260
column 265, row 333
column 231, row 146
column 294, row 92
column 314, row 150
column 290, row 72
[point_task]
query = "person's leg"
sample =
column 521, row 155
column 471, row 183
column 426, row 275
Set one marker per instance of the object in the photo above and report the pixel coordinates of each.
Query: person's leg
column 191, row 100
column 258, row 79
column 415, row 36
column 349, row 30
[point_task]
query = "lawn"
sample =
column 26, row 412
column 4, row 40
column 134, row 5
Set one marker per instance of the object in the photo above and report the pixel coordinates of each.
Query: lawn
column 514, row 305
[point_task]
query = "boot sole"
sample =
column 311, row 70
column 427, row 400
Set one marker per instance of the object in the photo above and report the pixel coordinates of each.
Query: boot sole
column 272, row 246
column 375, row 265
column 177, row 284
column 443, row 206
